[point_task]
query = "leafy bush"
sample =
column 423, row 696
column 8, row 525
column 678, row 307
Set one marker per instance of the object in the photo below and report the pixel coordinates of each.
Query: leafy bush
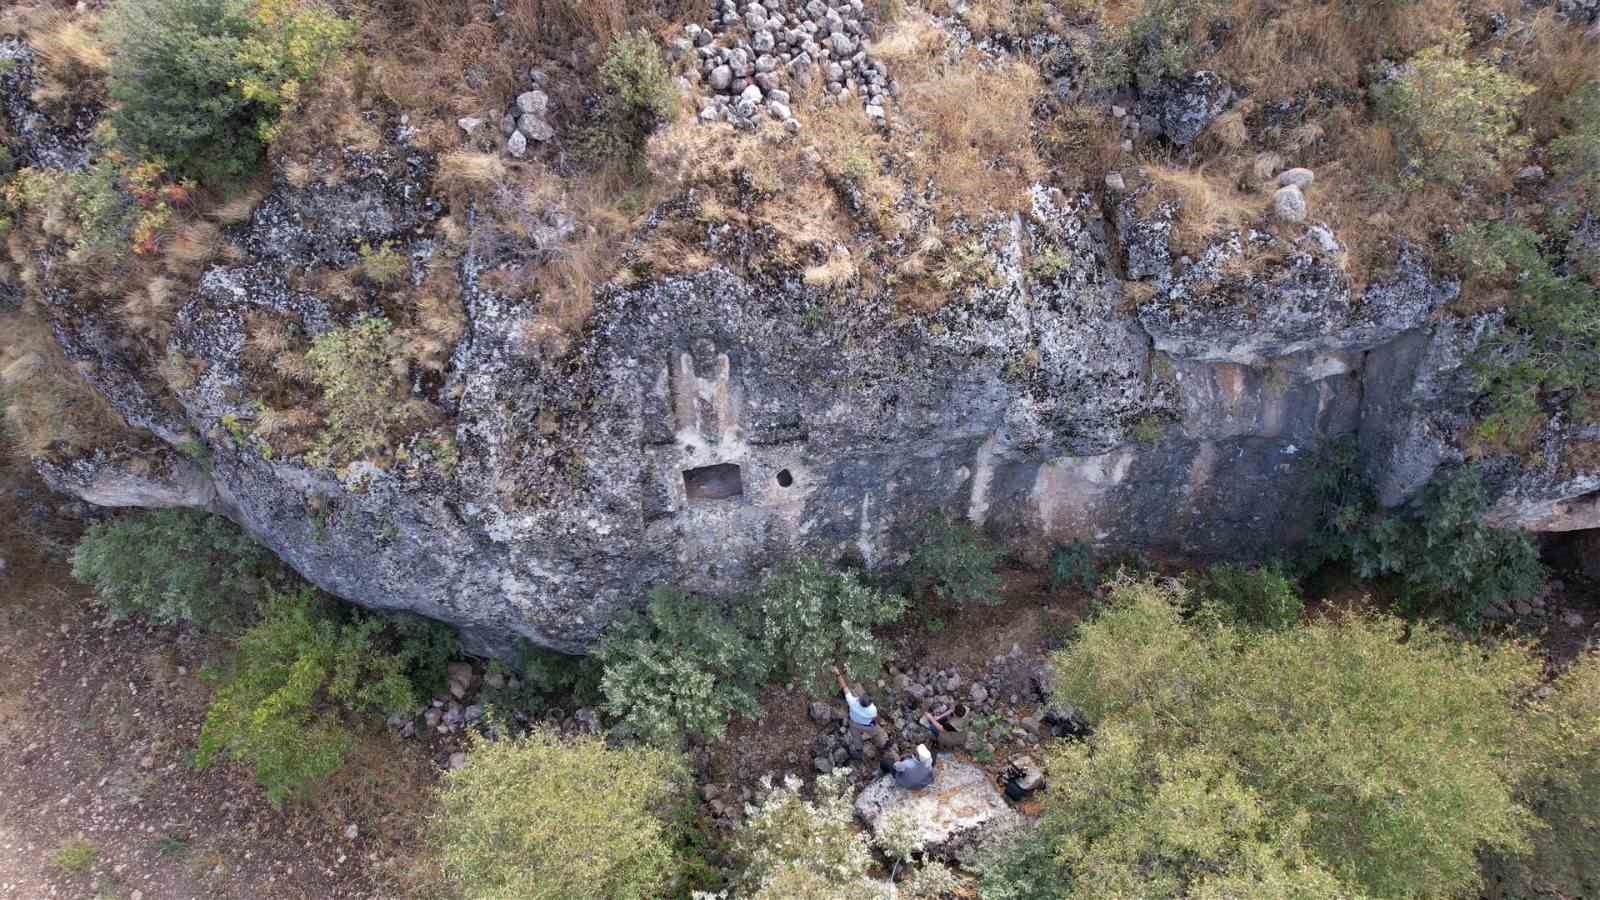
column 955, row 561
column 546, row 676
column 1577, row 153
column 543, row 818
column 931, row 881
column 1352, row 755
column 1454, row 119
column 682, row 667
column 639, row 96
column 787, row 841
column 1073, row 565
column 172, row 565
column 201, row 83
column 1252, row 598
column 1440, row 555
column 1021, row 866
column 366, row 397
column 806, row 617
column 1549, row 347
column 274, row 708
column 1160, row 41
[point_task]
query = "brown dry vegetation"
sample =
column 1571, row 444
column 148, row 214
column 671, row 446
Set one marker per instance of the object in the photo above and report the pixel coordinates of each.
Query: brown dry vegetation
column 47, row 404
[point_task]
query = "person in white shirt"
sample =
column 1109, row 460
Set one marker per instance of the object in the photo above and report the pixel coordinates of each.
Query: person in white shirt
column 863, row 718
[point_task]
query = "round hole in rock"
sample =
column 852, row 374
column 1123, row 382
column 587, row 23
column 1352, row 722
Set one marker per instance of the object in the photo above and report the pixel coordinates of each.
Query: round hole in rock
column 785, row 479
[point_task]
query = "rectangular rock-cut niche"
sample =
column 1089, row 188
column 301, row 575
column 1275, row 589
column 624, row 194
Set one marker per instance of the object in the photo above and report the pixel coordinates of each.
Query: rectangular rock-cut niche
column 719, row 482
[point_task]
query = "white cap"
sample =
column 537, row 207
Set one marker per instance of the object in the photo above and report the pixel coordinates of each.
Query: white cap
column 924, row 755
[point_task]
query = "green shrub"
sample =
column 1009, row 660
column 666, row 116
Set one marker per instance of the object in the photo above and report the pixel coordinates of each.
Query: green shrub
column 805, row 617
column 173, row 565
column 955, row 561
column 75, row 857
column 933, row 880
column 640, row 95
column 543, row 818
column 275, row 709
column 1358, row 754
column 787, row 841
column 1252, row 598
column 384, row 266
column 680, row 668
column 1455, row 120
column 1441, row 557
column 201, row 83
column 1157, row 42
column 1577, row 153
column 1495, row 252
column 1548, row 348
column 545, row 677
column 1073, row 566
column 366, row 397
column 1021, row 866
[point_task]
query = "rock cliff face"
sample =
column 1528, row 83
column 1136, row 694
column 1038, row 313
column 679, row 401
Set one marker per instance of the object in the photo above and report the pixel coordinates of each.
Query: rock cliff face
column 706, row 425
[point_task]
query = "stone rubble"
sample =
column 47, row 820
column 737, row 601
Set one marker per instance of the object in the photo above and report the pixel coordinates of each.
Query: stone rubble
column 750, row 51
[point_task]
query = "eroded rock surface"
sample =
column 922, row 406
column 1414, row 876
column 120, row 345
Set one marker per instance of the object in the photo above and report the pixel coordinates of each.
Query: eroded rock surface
column 960, row 810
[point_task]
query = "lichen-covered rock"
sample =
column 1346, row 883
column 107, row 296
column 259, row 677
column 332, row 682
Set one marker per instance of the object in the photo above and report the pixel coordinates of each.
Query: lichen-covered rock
column 952, row 816
column 1185, row 107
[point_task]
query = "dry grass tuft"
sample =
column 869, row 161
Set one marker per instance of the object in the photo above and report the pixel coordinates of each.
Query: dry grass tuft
column 196, row 243
column 464, row 174
column 976, row 129
column 75, row 62
column 48, row 405
column 1207, row 205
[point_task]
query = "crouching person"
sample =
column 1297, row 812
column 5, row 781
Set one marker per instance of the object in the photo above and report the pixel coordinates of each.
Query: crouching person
column 912, row 773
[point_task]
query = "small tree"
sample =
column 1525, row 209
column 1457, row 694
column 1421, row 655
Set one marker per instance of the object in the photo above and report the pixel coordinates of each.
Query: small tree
column 547, row 818
column 955, row 561
column 201, row 83
column 1441, row 555
column 172, row 565
column 640, row 95
column 682, row 667
column 1351, row 755
column 805, row 617
column 1455, row 119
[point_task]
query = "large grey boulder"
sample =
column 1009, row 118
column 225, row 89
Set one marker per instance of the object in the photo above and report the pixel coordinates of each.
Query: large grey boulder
column 951, row 817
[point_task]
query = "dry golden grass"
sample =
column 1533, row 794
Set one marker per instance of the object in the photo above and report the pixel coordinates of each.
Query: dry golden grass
column 68, row 45
column 48, row 405
column 194, row 244
column 148, row 310
column 839, row 270
column 1557, row 59
column 439, row 321
column 1281, row 48
column 973, row 132
column 1208, row 205
column 464, row 174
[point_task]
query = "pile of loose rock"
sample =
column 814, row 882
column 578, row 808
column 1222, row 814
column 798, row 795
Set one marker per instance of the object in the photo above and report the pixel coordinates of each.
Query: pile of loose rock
column 752, row 51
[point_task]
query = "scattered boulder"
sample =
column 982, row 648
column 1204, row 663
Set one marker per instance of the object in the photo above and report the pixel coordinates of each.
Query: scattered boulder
column 469, row 124
column 1289, row 205
column 533, row 103
column 823, row 713
column 953, row 815
column 517, row 145
column 1298, row 177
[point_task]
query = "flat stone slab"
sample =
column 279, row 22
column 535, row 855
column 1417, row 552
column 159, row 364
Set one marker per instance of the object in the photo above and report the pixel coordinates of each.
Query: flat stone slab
column 958, row 811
